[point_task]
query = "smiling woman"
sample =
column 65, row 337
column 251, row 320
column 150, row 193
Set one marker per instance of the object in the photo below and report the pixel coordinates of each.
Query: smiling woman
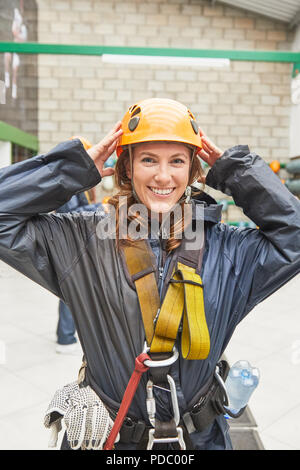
column 157, row 159
column 160, row 173
column 154, row 305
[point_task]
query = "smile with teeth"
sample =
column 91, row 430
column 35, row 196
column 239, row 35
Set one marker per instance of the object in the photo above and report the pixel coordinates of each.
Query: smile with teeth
column 161, row 191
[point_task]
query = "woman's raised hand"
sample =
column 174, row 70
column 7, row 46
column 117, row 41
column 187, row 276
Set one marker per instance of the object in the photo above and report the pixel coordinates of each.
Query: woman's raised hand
column 104, row 149
column 209, row 152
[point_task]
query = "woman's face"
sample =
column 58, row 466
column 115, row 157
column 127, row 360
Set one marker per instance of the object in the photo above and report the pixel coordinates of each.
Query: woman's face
column 160, row 173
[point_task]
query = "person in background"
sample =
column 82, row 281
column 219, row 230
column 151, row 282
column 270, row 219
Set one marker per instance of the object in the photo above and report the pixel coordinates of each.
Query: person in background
column 19, row 31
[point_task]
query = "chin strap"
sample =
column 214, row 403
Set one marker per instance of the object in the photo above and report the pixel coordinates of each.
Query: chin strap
column 131, row 175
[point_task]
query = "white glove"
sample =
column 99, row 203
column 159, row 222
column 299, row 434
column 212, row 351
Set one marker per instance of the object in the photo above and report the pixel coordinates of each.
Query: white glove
column 87, row 420
column 57, row 409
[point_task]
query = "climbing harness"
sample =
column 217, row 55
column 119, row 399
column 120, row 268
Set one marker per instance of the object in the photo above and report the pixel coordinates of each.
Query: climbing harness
column 161, row 325
column 142, row 364
column 183, row 302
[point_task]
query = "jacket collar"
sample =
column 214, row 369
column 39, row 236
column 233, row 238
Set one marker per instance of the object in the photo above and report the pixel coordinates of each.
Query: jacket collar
column 206, row 206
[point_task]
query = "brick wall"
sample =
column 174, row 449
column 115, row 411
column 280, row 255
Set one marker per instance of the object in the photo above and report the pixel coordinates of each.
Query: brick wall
column 247, row 103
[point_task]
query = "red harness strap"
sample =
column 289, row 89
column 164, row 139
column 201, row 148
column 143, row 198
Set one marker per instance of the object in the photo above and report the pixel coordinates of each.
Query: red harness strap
column 139, row 369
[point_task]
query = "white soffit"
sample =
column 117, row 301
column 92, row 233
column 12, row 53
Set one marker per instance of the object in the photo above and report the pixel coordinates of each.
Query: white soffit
column 287, row 11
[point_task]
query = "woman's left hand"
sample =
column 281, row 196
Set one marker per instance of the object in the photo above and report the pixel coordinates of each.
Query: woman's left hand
column 104, row 149
column 210, row 153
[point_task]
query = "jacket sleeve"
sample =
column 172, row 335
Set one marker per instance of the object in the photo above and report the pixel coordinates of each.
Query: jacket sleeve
column 32, row 241
column 263, row 259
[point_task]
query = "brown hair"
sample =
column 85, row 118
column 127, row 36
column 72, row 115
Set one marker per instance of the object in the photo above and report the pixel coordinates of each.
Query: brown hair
column 125, row 190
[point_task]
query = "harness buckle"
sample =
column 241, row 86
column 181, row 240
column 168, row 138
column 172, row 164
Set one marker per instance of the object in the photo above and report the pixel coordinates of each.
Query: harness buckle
column 161, row 440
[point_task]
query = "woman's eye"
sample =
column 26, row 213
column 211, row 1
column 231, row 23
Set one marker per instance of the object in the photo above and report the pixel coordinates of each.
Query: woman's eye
column 147, row 160
column 178, row 161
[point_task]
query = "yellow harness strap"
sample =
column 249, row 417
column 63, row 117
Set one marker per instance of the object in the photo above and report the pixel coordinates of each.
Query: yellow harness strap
column 139, row 262
column 183, row 299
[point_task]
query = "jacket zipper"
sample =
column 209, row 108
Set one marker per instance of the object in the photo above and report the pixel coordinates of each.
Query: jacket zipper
column 161, row 271
column 160, row 265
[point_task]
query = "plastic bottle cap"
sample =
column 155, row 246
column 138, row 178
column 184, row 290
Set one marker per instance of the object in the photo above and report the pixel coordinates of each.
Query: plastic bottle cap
column 245, row 373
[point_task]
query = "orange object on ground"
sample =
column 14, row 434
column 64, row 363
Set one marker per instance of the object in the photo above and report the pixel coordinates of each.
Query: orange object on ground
column 275, row 166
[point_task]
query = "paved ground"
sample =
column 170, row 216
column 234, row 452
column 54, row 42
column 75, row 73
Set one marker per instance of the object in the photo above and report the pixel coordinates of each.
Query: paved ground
column 31, row 371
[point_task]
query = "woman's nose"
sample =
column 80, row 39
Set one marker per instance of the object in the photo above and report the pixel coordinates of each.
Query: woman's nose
column 163, row 175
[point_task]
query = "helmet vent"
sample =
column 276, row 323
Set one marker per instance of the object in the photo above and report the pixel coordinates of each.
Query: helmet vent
column 136, row 111
column 132, row 108
column 194, row 126
column 132, row 125
column 191, row 114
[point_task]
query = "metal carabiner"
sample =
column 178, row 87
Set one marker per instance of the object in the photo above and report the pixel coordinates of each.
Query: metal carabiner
column 151, row 409
column 174, row 399
column 162, row 363
column 150, row 403
column 222, row 383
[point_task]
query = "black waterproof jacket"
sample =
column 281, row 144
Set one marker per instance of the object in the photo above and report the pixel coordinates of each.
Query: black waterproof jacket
column 62, row 252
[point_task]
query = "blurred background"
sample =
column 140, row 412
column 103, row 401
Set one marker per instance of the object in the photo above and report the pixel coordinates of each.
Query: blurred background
column 250, row 94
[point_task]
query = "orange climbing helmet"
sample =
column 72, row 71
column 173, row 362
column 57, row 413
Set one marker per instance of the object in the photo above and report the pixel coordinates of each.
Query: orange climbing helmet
column 87, row 145
column 158, row 119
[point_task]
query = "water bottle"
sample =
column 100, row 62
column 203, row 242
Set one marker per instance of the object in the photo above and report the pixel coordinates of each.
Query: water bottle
column 241, row 381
